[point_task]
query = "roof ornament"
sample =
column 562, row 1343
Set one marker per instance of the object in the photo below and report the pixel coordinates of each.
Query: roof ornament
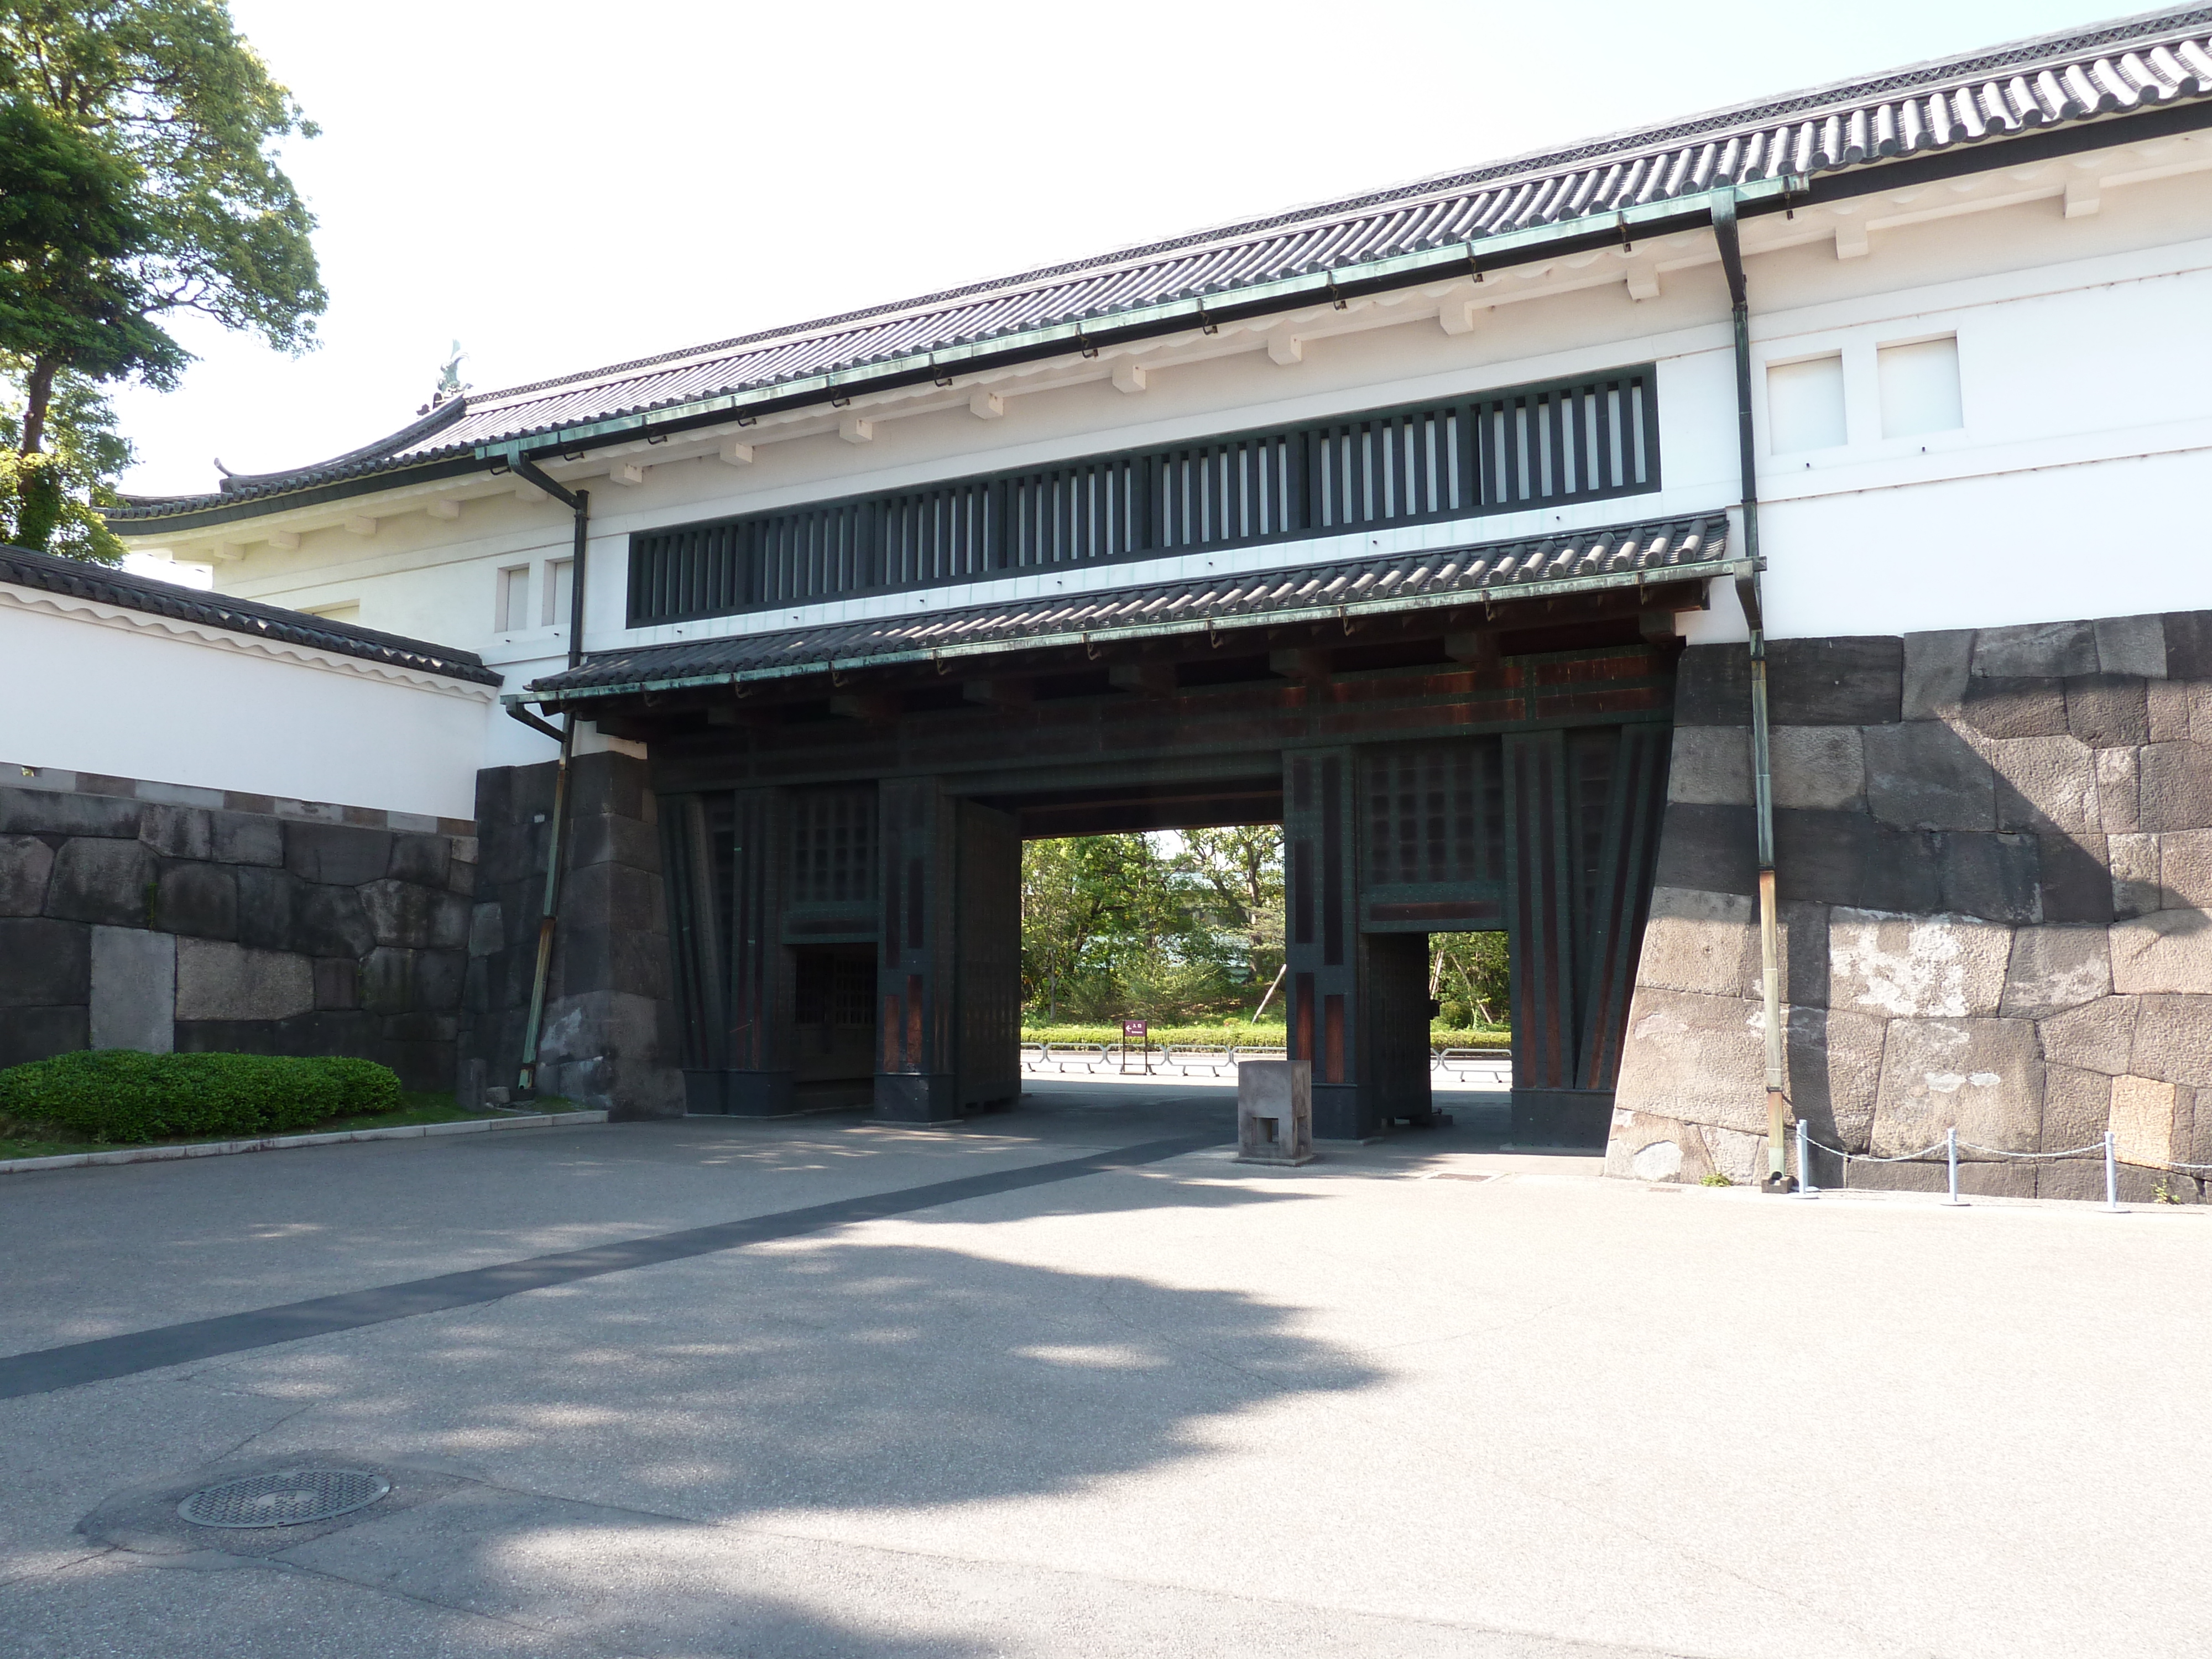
column 449, row 381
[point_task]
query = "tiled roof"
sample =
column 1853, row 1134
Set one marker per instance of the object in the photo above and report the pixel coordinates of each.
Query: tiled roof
column 1622, row 555
column 2153, row 59
column 104, row 585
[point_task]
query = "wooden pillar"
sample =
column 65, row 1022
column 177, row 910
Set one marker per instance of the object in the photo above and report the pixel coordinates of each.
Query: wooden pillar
column 917, row 1073
column 757, row 1063
column 1582, row 810
column 989, row 984
column 1323, row 941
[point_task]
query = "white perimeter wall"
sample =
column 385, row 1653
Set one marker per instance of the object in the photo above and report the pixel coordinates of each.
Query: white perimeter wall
column 89, row 688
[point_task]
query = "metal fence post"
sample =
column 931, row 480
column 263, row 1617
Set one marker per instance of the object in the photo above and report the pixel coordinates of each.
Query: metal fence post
column 1951, row 1158
column 1805, row 1187
column 2111, row 1175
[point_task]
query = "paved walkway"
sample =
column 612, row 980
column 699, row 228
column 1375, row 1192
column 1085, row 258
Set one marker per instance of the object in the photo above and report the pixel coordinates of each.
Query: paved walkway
column 1047, row 1386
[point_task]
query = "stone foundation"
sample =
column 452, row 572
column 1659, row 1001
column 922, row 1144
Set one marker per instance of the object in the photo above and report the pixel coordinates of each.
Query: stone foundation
column 1994, row 856
column 153, row 917
column 607, row 1042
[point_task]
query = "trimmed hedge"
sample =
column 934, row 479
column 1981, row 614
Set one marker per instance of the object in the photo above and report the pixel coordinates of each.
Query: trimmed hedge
column 119, row 1095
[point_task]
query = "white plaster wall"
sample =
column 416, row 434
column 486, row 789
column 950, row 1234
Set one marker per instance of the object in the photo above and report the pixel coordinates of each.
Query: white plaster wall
column 2081, row 352
column 86, row 691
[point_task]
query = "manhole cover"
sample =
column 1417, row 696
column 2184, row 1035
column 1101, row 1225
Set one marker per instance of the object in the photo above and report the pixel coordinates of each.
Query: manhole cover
column 283, row 1499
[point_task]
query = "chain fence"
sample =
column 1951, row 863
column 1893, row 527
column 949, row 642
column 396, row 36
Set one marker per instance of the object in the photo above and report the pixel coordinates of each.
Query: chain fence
column 2107, row 1147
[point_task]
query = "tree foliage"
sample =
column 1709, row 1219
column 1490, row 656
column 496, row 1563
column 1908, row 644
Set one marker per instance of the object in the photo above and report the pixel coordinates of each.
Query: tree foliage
column 50, row 498
column 138, row 178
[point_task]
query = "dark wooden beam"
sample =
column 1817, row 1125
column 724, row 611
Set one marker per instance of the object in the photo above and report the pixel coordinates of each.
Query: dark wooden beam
column 1476, row 649
column 1149, row 679
column 876, row 707
column 1002, row 693
column 1300, row 663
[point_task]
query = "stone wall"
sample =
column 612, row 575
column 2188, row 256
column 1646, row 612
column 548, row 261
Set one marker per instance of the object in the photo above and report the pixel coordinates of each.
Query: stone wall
column 1994, row 855
column 608, row 1040
column 157, row 917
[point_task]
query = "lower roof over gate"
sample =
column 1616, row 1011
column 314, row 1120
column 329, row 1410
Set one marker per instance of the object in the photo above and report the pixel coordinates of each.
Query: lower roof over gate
column 1664, row 563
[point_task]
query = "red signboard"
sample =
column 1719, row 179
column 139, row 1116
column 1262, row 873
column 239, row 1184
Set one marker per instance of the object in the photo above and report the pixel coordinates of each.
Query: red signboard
column 1134, row 1028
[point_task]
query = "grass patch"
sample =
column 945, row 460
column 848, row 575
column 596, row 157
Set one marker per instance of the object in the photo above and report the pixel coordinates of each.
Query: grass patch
column 43, row 1140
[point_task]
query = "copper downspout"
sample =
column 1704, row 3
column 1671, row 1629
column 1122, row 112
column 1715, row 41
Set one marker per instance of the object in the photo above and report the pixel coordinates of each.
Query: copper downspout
column 1762, row 774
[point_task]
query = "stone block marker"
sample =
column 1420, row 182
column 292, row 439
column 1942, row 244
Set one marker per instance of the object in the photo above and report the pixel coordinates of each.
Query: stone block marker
column 133, row 990
column 1274, row 1112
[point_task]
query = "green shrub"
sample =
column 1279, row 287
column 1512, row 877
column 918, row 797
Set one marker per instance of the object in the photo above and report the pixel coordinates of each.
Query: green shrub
column 120, row 1095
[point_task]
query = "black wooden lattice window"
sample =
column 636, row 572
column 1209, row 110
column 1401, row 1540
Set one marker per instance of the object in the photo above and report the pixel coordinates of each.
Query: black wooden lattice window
column 1434, row 813
column 833, row 846
column 1498, row 452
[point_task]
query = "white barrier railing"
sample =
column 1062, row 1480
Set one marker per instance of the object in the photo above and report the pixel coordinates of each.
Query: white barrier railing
column 2107, row 1148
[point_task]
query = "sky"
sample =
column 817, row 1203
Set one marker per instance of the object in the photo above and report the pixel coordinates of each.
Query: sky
column 559, row 187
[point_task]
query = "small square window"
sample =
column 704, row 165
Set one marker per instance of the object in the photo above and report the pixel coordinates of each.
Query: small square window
column 1920, row 388
column 557, row 592
column 512, row 610
column 1805, row 405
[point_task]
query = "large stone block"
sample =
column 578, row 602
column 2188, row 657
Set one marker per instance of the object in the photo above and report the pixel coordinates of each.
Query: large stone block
column 341, row 854
column 2014, row 708
column 2119, row 790
column 338, row 982
column 26, row 863
column 330, row 922
column 1706, row 942
column 177, row 832
column 614, row 959
column 1842, row 681
column 2173, row 1040
column 400, row 913
column 2175, row 788
column 216, row 979
column 2168, row 709
column 2107, row 710
column 2076, row 1107
column 1916, row 966
column 2136, row 887
column 2072, row 883
column 1982, row 1077
column 1712, row 686
column 110, row 882
column 247, row 838
column 1804, row 928
column 1935, row 668
column 1642, row 1146
column 2097, row 1036
column 28, row 1034
column 1712, row 766
column 2044, row 784
column 387, row 980
column 1713, row 848
column 133, row 990
column 438, row 976
column 613, row 783
column 43, row 963
column 1846, row 858
column 608, row 838
column 1700, row 1059
column 1739, row 1154
column 2142, row 1120
column 486, row 929
column 1818, row 766
column 2131, row 644
column 1835, row 1073
column 2166, row 951
column 57, row 812
column 200, row 899
column 1923, row 775
column 423, row 859
column 2052, row 649
column 2054, row 969
column 1999, row 877
column 2188, row 644
column 2182, row 869
column 606, row 896
column 267, row 905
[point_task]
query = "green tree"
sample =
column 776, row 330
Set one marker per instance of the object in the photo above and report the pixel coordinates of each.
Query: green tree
column 1471, row 974
column 148, row 185
column 50, row 499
